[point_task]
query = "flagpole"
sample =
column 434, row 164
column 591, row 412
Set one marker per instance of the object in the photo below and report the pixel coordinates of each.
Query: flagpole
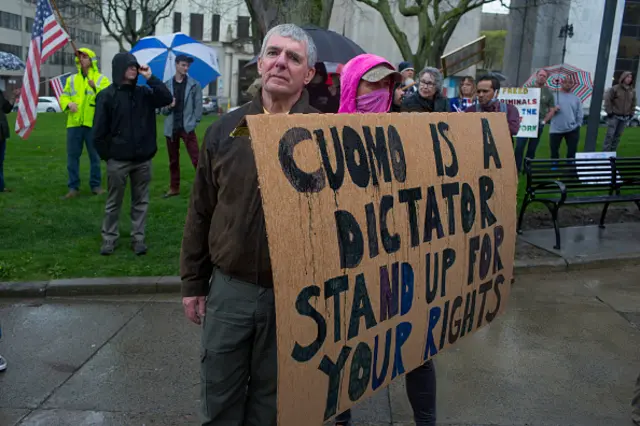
column 73, row 44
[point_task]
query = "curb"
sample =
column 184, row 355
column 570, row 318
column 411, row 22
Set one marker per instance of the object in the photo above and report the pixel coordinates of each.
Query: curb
column 91, row 287
column 171, row 284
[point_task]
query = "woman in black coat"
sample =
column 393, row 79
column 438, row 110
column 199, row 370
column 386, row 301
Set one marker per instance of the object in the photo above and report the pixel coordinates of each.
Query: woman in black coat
column 429, row 97
column 5, row 108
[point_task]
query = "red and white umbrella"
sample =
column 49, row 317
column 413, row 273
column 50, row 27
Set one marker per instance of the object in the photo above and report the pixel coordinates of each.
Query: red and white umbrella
column 583, row 83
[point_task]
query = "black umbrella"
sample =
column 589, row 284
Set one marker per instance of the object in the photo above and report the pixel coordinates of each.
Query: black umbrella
column 332, row 47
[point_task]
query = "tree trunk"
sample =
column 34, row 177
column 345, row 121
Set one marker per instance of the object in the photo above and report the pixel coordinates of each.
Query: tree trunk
column 266, row 14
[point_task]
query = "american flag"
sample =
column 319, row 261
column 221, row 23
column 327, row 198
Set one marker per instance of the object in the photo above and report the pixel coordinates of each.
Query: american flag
column 47, row 37
column 57, row 84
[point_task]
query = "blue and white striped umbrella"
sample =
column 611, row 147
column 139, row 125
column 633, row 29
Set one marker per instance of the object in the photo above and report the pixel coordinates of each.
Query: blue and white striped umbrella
column 160, row 52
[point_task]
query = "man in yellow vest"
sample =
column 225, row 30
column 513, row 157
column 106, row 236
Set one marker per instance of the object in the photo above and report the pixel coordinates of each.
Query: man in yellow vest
column 78, row 100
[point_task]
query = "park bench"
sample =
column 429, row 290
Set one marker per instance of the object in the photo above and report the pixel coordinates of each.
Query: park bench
column 556, row 183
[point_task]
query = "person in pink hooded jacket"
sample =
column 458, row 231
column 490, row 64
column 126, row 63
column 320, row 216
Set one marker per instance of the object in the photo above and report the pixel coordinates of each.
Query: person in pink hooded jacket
column 367, row 83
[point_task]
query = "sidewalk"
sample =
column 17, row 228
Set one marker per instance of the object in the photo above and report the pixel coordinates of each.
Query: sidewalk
column 583, row 247
column 565, row 353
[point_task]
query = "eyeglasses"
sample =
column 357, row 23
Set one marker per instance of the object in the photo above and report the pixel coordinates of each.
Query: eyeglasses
column 427, row 83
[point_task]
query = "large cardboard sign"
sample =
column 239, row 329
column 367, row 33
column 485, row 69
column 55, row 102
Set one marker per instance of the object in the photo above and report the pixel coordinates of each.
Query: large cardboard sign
column 527, row 100
column 391, row 237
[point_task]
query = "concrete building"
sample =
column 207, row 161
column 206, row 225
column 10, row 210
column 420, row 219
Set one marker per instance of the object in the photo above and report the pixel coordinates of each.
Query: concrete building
column 16, row 22
column 533, row 37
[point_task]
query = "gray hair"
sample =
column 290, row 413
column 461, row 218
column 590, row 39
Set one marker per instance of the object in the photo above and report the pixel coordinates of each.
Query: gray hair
column 436, row 74
column 296, row 33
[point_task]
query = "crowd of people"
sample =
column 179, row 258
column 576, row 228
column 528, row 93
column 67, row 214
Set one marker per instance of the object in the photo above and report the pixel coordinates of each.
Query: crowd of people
column 224, row 262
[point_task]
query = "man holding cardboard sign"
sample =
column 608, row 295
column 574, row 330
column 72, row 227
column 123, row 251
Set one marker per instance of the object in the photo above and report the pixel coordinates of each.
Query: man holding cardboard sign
column 225, row 255
column 391, row 236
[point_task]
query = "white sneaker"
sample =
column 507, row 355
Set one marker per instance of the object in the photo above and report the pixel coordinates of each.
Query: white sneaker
column 3, row 364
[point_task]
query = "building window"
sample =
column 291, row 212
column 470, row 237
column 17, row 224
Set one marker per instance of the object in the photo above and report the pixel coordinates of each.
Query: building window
column 195, row 26
column 69, row 59
column 131, row 19
column 28, row 25
column 96, row 39
column 177, row 22
column 244, row 23
column 215, row 28
column 213, row 88
column 56, row 58
column 631, row 13
column 148, row 23
column 11, row 48
column 10, row 21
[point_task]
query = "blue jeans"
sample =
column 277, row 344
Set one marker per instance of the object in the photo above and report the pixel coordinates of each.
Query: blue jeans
column 77, row 137
column 421, row 390
column 531, row 149
column 3, row 147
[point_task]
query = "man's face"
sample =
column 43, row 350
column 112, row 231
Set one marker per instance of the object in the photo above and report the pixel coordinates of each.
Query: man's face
column 283, row 67
column 85, row 61
column 628, row 80
column 567, row 84
column 541, row 78
column 407, row 74
column 131, row 73
column 182, row 68
column 485, row 92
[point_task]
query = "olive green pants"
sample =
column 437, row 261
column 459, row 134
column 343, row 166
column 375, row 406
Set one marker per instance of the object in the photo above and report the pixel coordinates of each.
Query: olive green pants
column 239, row 355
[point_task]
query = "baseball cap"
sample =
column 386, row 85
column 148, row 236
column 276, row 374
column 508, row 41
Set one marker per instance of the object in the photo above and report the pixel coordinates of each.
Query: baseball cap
column 405, row 66
column 379, row 72
column 184, row 58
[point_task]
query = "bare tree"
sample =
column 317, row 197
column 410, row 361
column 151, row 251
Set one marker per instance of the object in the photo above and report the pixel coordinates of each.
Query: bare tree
column 266, row 14
column 437, row 19
column 119, row 17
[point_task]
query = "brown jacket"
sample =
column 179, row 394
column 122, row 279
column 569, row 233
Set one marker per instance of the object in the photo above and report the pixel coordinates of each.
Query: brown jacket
column 225, row 223
column 621, row 99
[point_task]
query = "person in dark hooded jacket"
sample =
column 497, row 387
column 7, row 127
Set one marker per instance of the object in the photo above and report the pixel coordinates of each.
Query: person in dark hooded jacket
column 125, row 137
column 620, row 104
column 320, row 97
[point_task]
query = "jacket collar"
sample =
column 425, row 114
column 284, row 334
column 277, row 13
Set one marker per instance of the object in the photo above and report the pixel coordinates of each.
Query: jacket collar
column 302, row 105
column 190, row 83
column 255, row 107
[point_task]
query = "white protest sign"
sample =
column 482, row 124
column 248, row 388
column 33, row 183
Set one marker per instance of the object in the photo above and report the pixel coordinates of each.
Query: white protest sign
column 527, row 100
column 592, row 172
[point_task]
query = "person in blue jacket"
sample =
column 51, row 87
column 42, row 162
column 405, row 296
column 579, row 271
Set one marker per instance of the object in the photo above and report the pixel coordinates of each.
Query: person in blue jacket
column 466, row 95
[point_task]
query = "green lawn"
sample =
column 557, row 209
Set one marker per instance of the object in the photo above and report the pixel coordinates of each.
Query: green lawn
column 629, row 147
column 44, row 237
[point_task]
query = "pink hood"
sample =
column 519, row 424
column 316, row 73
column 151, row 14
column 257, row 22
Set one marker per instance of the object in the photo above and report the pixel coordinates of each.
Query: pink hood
column 350, row 78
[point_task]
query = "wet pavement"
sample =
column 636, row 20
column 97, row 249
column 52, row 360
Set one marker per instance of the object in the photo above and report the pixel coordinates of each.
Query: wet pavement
column 587, row 244
column 565, row 353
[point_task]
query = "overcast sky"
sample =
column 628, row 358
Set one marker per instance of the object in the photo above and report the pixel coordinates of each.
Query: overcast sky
column 496, row 7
